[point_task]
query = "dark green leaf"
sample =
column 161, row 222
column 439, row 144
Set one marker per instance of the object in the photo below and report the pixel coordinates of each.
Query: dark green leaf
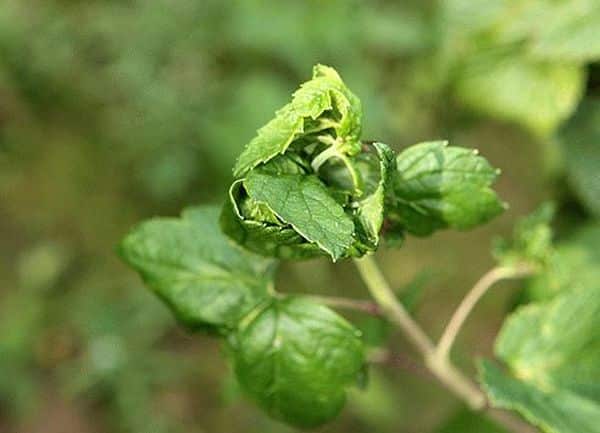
column 304, row 203
column 438, row 187
column 553, row 352
column 206, row 280
column 296, row 359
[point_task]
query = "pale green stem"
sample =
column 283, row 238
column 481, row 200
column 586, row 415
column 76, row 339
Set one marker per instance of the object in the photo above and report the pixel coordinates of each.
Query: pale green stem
column 395, row 312
column 367, row 307
column 459, row 317
column 322, row 157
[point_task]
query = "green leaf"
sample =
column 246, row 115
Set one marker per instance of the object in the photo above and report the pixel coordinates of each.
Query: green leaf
column 274, row 240
column 553, row 354
column 304, row 203
column 574, row 264
column 370, row 210
column 206, row 280
column 513, row 87
column 296, row 359
column 325, row 98
column 437, row 187
column 531, row 241
column 580, row 140
column 562, row 31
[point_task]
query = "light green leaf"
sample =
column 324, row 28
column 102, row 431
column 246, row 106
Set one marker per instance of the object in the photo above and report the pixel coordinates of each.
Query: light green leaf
column 531, row 241
column 580, row 141
column 437, row 186
column 574, row 264
column 513, row 87
column 206, row 280
column 321, row 104
column 296, row 359
column 370, row 210
column 304, row 203
column 562, row 31
column 553, row 354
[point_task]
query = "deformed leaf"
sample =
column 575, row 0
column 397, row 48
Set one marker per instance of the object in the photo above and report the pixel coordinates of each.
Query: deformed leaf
column 296, row 359
column 275, row 239
column 206, row 280
column 304, row 203
column 283, row 209
column 325, row 96
column 553, row 354
column 437, row 187
column 370, row 210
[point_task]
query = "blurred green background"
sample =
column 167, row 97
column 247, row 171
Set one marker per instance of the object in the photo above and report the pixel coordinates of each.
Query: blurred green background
column 113, row 111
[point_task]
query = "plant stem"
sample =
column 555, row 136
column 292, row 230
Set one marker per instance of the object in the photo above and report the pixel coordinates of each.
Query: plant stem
column 395, row 312
column 440, row 367
column 390, row 306
column 367, row 307
column 459, row 317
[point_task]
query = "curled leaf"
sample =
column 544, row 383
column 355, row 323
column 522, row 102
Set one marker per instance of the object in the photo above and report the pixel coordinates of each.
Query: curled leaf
column 306, row 186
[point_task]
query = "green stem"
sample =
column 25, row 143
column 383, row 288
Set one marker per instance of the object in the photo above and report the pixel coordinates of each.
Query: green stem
column 367, row 307
column 390, row 306
column 395, row 312
column 482, row 286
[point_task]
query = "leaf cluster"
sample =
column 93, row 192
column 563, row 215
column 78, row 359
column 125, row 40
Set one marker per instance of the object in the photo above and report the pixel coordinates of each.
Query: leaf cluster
column 305, row 186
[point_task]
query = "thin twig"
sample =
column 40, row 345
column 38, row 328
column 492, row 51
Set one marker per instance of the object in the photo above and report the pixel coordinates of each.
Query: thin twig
column 446, row 373
column 387, row 358
column 440, row 367
column 390, row 306
column 459, row 317
column 363, row 306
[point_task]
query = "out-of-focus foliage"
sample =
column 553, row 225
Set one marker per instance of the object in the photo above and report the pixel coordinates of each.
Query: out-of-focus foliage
column 575, row 264
column 553, row 352
column 580, row 144
column 531, row 242
column 115, row 110
column 465, row 422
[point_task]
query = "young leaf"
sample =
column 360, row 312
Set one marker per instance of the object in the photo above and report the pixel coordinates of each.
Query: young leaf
column 296, row 359
column 531, row 241
column 573, row 265
column 553, row 352
column 370, row 210
column 437, row 187
column 321, row 104
column 207, row 281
